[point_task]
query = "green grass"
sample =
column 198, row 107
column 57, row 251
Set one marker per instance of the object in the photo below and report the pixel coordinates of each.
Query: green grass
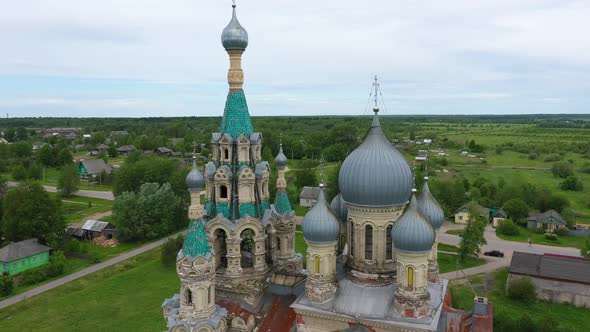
column 455, row 231
column 447, row 247
column 124, row 297
column 301, row 245
column 562, row 241
column 569, row 317
column 448, row 262
column 300, row 210
column 76, row 209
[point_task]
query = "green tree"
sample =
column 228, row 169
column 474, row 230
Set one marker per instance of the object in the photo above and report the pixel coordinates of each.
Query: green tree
column 507, row 227
column 6, row 285
column 305, row 175
column 516, row 209
column 522, row 289
column 136, row 172
column 572, row 183
column 170, row 250
column 562, row 169
column 45, row 156
column 585, row 251
column 473, row 235
column 64, row 157
column 332, row 182
column 29, row 212
column 148, row 214
column 69, row 182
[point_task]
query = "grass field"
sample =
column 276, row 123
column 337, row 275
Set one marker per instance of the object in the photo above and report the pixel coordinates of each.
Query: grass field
column 124, row 297
column 448, row 262
column 77, row 209
column 568, row 317
column 447, row 247
column 562, row 241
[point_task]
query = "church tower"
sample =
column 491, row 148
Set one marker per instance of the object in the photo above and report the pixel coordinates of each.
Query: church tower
column 430, row 208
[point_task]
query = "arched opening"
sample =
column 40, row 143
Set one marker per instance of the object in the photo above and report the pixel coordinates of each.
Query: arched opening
column 388, row 243
column 268, row 245
column 368, row 242
column 342, row 242
column 410, row 277
column 226, row 153
column 188, row 297
column 351, row 238
column 316, row 264
column 246, row 248
column 222, row 191
column 209, row 296
column 220, row 246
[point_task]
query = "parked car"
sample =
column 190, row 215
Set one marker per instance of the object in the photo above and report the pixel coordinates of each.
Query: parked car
column 495, row 253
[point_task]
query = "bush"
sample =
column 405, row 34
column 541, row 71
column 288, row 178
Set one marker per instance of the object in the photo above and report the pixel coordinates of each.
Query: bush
column 539, row 231
column 522, row 289
column 170, row 250
column 552, row 157
column 572, row 183
column 72, row 245
column 507, row 227
column 551, row 236
column 561, row 231
column 562, row 169
column 6, row 285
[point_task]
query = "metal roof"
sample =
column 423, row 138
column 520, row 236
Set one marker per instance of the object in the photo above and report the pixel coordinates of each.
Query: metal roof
column 194, row 179
column 412, row 232
column 429, row 207
column 320, row 224
column 96, row 166
column 569, row 268
column 234, row 36
column 22, row 249
column 95, row 225
column 281, row 159
column 548, row 217
column 375, row 173
column 339, row 207
column 310, row 192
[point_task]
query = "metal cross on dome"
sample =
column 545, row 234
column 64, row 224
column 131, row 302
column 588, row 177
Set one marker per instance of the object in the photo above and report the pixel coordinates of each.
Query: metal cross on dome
column 322, row 171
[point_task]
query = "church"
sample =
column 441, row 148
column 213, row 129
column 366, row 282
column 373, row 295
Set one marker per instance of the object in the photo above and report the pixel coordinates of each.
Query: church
column 371, row 261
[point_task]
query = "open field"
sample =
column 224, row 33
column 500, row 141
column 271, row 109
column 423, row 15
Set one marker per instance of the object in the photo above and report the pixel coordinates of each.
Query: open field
column 567, row 316
column 124, row 297
column 562, row 241
column 448, row 262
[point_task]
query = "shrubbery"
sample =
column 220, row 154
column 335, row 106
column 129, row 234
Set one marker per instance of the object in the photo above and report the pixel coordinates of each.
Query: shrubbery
column 6, row 285
column 507, row 227
column 561, row 231
column 170, row 250
column 522, row 289
column 551, row 236
column 56, row 267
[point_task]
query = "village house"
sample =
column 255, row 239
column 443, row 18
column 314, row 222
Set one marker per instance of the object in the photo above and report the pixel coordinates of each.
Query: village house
column 125, row 149
column 497, row 215
column 309, row 196
column 101, row 148
column 164, row 151
column 92, row 168
column 462, row 214
column 21, row 256
column 549, row 220
column 558, row 278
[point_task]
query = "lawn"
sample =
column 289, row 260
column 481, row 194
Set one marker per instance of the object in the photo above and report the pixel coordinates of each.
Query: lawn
column 447, row 247
column 562, row 241
column 567, row 316
column 455, row 231
column 448, row 262
column 77, row 209
column 300, row 244
column 124, row 297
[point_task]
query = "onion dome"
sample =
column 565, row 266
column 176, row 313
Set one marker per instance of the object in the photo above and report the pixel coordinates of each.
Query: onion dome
column 281, row 159
column 194, row 179
column 339, row 207
column 413, row 232
column 375, row 173
column 320, row 224
column 234, row 36
column 429, row 207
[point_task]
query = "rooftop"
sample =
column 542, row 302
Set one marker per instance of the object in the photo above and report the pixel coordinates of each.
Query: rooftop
column 568, row 268
column 22, row 249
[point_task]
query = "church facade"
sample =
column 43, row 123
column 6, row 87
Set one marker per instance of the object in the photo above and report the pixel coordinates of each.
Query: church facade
column 371, row 257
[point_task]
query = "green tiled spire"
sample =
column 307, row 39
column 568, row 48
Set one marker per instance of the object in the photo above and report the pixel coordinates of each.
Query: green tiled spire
column 236, row 119
column 247, row 209
column 282, row 204
column 196, row 244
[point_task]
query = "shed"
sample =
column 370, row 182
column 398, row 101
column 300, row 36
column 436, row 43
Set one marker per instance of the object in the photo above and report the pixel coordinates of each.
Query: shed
column 96, row 228
column 92, row 168
column 164, row 151
column 20, row 256
column 126, row 149
column 101, row 148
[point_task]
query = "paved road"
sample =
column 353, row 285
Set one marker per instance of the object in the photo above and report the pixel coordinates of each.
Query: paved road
column 85, row 193
column 91, row 269
column 495, row 243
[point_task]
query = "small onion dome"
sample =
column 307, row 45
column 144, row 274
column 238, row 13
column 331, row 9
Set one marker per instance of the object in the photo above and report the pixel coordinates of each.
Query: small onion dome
column 320, row 224
column 194, row 179
column 234, row 36
column 429, row 207
column 281, row 159
column 339, row 207
column 375, row 173
column 412, row 232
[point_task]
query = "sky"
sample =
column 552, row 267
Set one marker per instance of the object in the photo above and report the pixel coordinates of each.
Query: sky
column 146, row 58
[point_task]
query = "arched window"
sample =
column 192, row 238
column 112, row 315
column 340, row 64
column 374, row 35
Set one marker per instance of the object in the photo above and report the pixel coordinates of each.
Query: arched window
column 226, row 153
column 209, row 295
column 316, row 263
column 188, row 297
column 368, row 242
column 342, row 241
column 410, row 277
column 351, row 238
column 388, row 243
column 247, row 247
column 222, row 191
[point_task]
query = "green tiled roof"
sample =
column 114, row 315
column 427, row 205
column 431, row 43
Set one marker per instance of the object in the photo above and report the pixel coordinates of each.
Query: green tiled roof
column 223, row 208
column 247, row 209
column 282, row 204
column 265, row 205
column 236, row 119
column 196, row 244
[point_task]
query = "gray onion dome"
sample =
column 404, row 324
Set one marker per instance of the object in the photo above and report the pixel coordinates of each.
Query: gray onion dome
column 375, row 173
column 412, row 232
column 194, row 179
column 281, row 159
column 320, row 225
column 429, row 207
column 234, row 36
column 339, row 207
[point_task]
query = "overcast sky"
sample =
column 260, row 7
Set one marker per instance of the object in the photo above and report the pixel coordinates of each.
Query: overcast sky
column 305, row 57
